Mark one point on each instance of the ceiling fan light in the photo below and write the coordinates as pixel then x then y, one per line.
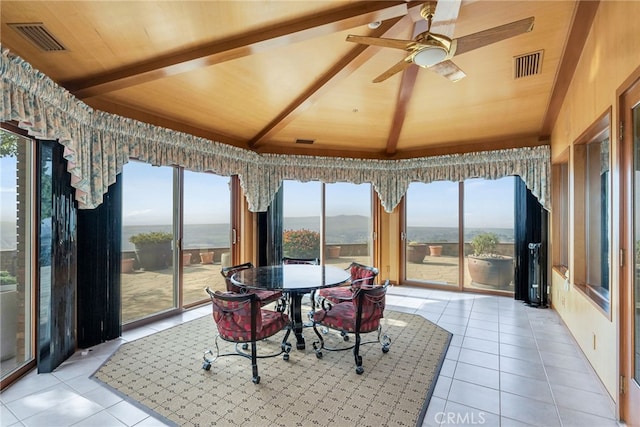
pixel 429 56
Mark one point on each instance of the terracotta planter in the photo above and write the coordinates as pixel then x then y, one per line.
pixel 186 258
pixel 494 272
pixel 416 253
pixel 333 251
pixel 127 266
pixel 206 257
pixel 435 250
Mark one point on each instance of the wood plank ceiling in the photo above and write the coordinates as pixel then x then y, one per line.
pixel 264 74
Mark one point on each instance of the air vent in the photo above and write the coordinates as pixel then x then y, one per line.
pixel 37 34
pixel 305 141
pixel 527 65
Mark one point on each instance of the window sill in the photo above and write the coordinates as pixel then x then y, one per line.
pixel 561 270
pixel 598 296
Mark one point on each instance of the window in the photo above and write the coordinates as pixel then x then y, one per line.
pixel 336 218
pixel 591 226
pixel 16 283
pixel 560 195
pixel 432 233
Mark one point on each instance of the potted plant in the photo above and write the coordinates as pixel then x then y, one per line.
pixel 435 250
pixel 333 251
pixel 301 243
pixel 416 252
pixel 486 267
pixel 153 249
pixel 206 257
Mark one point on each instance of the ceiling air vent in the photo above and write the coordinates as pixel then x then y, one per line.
pixel 305 141
pixel 527 65
pixel 37 34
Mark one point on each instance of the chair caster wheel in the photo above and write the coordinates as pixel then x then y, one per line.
pixel 256 380
pixel 245 346
pixel 385 349
pixel 285 357
pixel 319 354
pixel 346 337
pixel 206 366
pixel 359 370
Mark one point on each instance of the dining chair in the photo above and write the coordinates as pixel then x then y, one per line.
pixel 240 319
pixel 265 296
pixel 308 261
pixel 359 313
pixel 360 275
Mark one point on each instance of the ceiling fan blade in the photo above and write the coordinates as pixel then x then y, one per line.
pixel 493 35
pixel 379 41
pixel 448 70
pixel 400 66
pixel 445 16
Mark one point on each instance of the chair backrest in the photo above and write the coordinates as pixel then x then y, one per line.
pixel 370 303
pixel 362 275
pixel 227 272
pixel 237 316
pixel 309 261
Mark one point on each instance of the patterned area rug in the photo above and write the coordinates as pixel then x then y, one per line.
pixel 163 372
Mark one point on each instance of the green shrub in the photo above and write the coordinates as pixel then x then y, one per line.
pixel 485 244
pixel 7 279
pixel 152 237
pixel 301 243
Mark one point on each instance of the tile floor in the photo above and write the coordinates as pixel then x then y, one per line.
pixel 507 365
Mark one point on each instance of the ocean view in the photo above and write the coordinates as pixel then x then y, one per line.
pixel 339 230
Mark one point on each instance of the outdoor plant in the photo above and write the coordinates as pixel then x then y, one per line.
pixel 7 279
pixel 485 244
pixel 301 243
pixel 152 237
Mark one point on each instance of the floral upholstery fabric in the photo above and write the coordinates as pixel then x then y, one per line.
pixel 233 318
pixel 344 316
pixel 360 275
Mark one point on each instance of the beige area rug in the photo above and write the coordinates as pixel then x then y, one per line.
pixel 163 372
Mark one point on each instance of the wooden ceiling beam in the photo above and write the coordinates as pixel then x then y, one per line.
pixel 340 70
pixel 581 25
pixel 342 18
pixel 407 84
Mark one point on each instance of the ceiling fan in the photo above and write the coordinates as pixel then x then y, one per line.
pixel 433 50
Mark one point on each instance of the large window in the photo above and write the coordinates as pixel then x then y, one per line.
pixel 206 233
pixel 592 226
pixel 147 240
pixel 432 233
pixel 332 222
pixel 489 233
pixel 16 283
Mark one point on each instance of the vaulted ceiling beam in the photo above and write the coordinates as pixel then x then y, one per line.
pixel 343 68
pixel 350 16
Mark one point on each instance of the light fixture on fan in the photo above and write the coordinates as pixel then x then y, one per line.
pixel 429 56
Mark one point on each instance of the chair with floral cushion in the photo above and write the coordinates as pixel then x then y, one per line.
pixel 241 319
pixel 359 313
pixel 265 297
pixel 360 275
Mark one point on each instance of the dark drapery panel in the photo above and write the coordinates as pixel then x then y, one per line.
pixel 99 265
pixel 57 252
pixel 530 227
pixel 270 232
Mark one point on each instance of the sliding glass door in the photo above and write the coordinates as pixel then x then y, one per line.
pixel 148 239
pixel 206 234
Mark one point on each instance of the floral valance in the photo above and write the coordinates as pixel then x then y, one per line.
pixel 98 144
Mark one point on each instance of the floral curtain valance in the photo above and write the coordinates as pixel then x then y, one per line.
pixel 98 144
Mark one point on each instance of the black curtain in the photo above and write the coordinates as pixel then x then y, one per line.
pixel 530 228
pixel 57 254
pixel 270 232
pixel 99 268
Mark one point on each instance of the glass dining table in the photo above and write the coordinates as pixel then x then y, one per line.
pixel 295 280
